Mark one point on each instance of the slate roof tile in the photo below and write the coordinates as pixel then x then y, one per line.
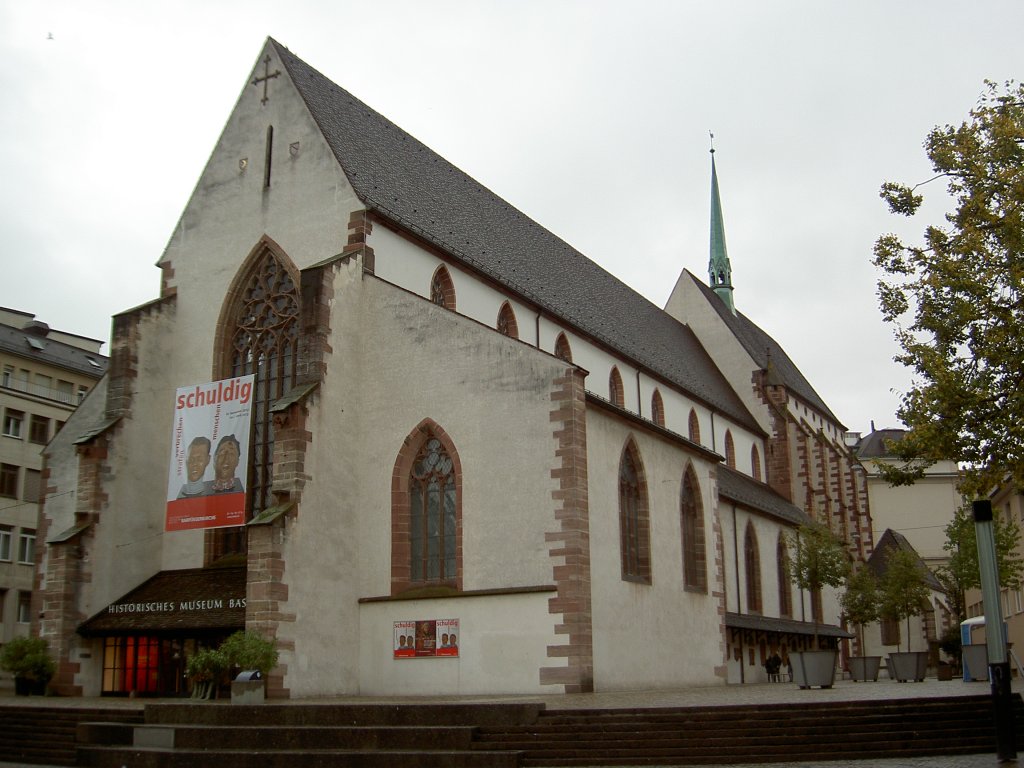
pixel 408 183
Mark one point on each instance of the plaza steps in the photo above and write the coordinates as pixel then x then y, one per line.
pixel 806 732
pixel 46 735
pixel 213 735
pixel 462 735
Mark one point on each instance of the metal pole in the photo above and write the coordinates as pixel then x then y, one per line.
pixel 998 665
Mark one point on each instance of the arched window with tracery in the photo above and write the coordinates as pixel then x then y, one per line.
pixel 442 289
pixel 752 566
pixel 616 392
pixel 634 517
pixel 562 349
pixel 694 427
pixel 695 574
pixel 657 408
pixel 507 321
pixel 426 514
pixel 755 462
pixel 785 590
pixel 260 335
pixel 730 450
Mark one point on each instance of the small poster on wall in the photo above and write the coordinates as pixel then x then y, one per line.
pixel 426 638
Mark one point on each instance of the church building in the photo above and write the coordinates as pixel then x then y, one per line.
pixel 476 462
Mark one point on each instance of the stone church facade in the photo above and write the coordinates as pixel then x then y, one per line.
pixel 457 418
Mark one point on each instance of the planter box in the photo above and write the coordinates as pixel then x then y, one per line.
pixel 909 665
pixel 865 668
pixel 812 668
pixel 248 691
pixel 24 686
pixel 975 661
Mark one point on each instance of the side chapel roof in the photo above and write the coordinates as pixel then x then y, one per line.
pixel 760 346
pixel 405 181
pixel 753 494
pixel 893 541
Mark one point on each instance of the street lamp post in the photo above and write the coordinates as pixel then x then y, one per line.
pixel 995 640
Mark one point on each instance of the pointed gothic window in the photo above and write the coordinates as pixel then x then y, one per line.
pixel 262 326
pixel 507 321
pixel 695 575
pixel 432 514
pixel 694 427
pixel 634 520
pixel 442 290
pixel 657 408
pixel 730 451
pixel 752 565
pixel 782 564
pixel 426 513
pixel 616 392
pixel 755 462
pixel 562 350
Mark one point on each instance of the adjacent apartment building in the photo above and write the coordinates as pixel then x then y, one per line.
pixel 44 374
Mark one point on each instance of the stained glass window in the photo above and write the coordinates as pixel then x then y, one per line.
pixel 432 513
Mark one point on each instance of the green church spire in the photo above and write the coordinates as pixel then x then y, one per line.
pixel 719 269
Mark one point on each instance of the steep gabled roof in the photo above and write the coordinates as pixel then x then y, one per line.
pixel 408 183
pixel 760 346
pixel 893 541
pixel 874 445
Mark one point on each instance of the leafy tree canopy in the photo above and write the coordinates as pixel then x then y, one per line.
pixel 861 602
pixel 903 587
pixel 817 558
pixel 962 573
pixel 956 301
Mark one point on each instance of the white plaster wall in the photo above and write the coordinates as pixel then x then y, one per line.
pixel 398 359
pixel 129 542
pixel 502 646
pixel 400 261
pixel 689 306
pixel 305 210
pixel 657 635
pixel 920 512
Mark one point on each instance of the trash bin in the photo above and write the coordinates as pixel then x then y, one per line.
pixel 248 675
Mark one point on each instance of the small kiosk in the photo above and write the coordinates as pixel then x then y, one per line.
pixel 975 655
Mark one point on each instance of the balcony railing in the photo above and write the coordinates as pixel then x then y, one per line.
pixel 47 393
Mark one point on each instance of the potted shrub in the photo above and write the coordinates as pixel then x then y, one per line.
pixel 252 655
pixel 28 659
pixel 817 559
pixel 904 594
pixel 206 670
pixel 861 603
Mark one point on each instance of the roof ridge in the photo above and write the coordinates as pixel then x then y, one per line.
pixel 404 180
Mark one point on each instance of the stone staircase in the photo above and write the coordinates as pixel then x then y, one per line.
pixel 213 735
pixel 811 732
pixel 46 735
pixel 464 735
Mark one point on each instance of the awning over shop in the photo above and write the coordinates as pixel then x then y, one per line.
pixel 782 626
pixel 194 600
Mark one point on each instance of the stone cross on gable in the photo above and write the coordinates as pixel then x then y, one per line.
pixel 267 77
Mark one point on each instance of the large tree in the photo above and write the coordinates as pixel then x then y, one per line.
pixel 956 301
pixel 962 573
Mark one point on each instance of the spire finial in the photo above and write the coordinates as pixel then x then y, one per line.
pixel 712 142
pixel 719 269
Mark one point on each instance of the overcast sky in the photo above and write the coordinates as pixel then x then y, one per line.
pixel 591 117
